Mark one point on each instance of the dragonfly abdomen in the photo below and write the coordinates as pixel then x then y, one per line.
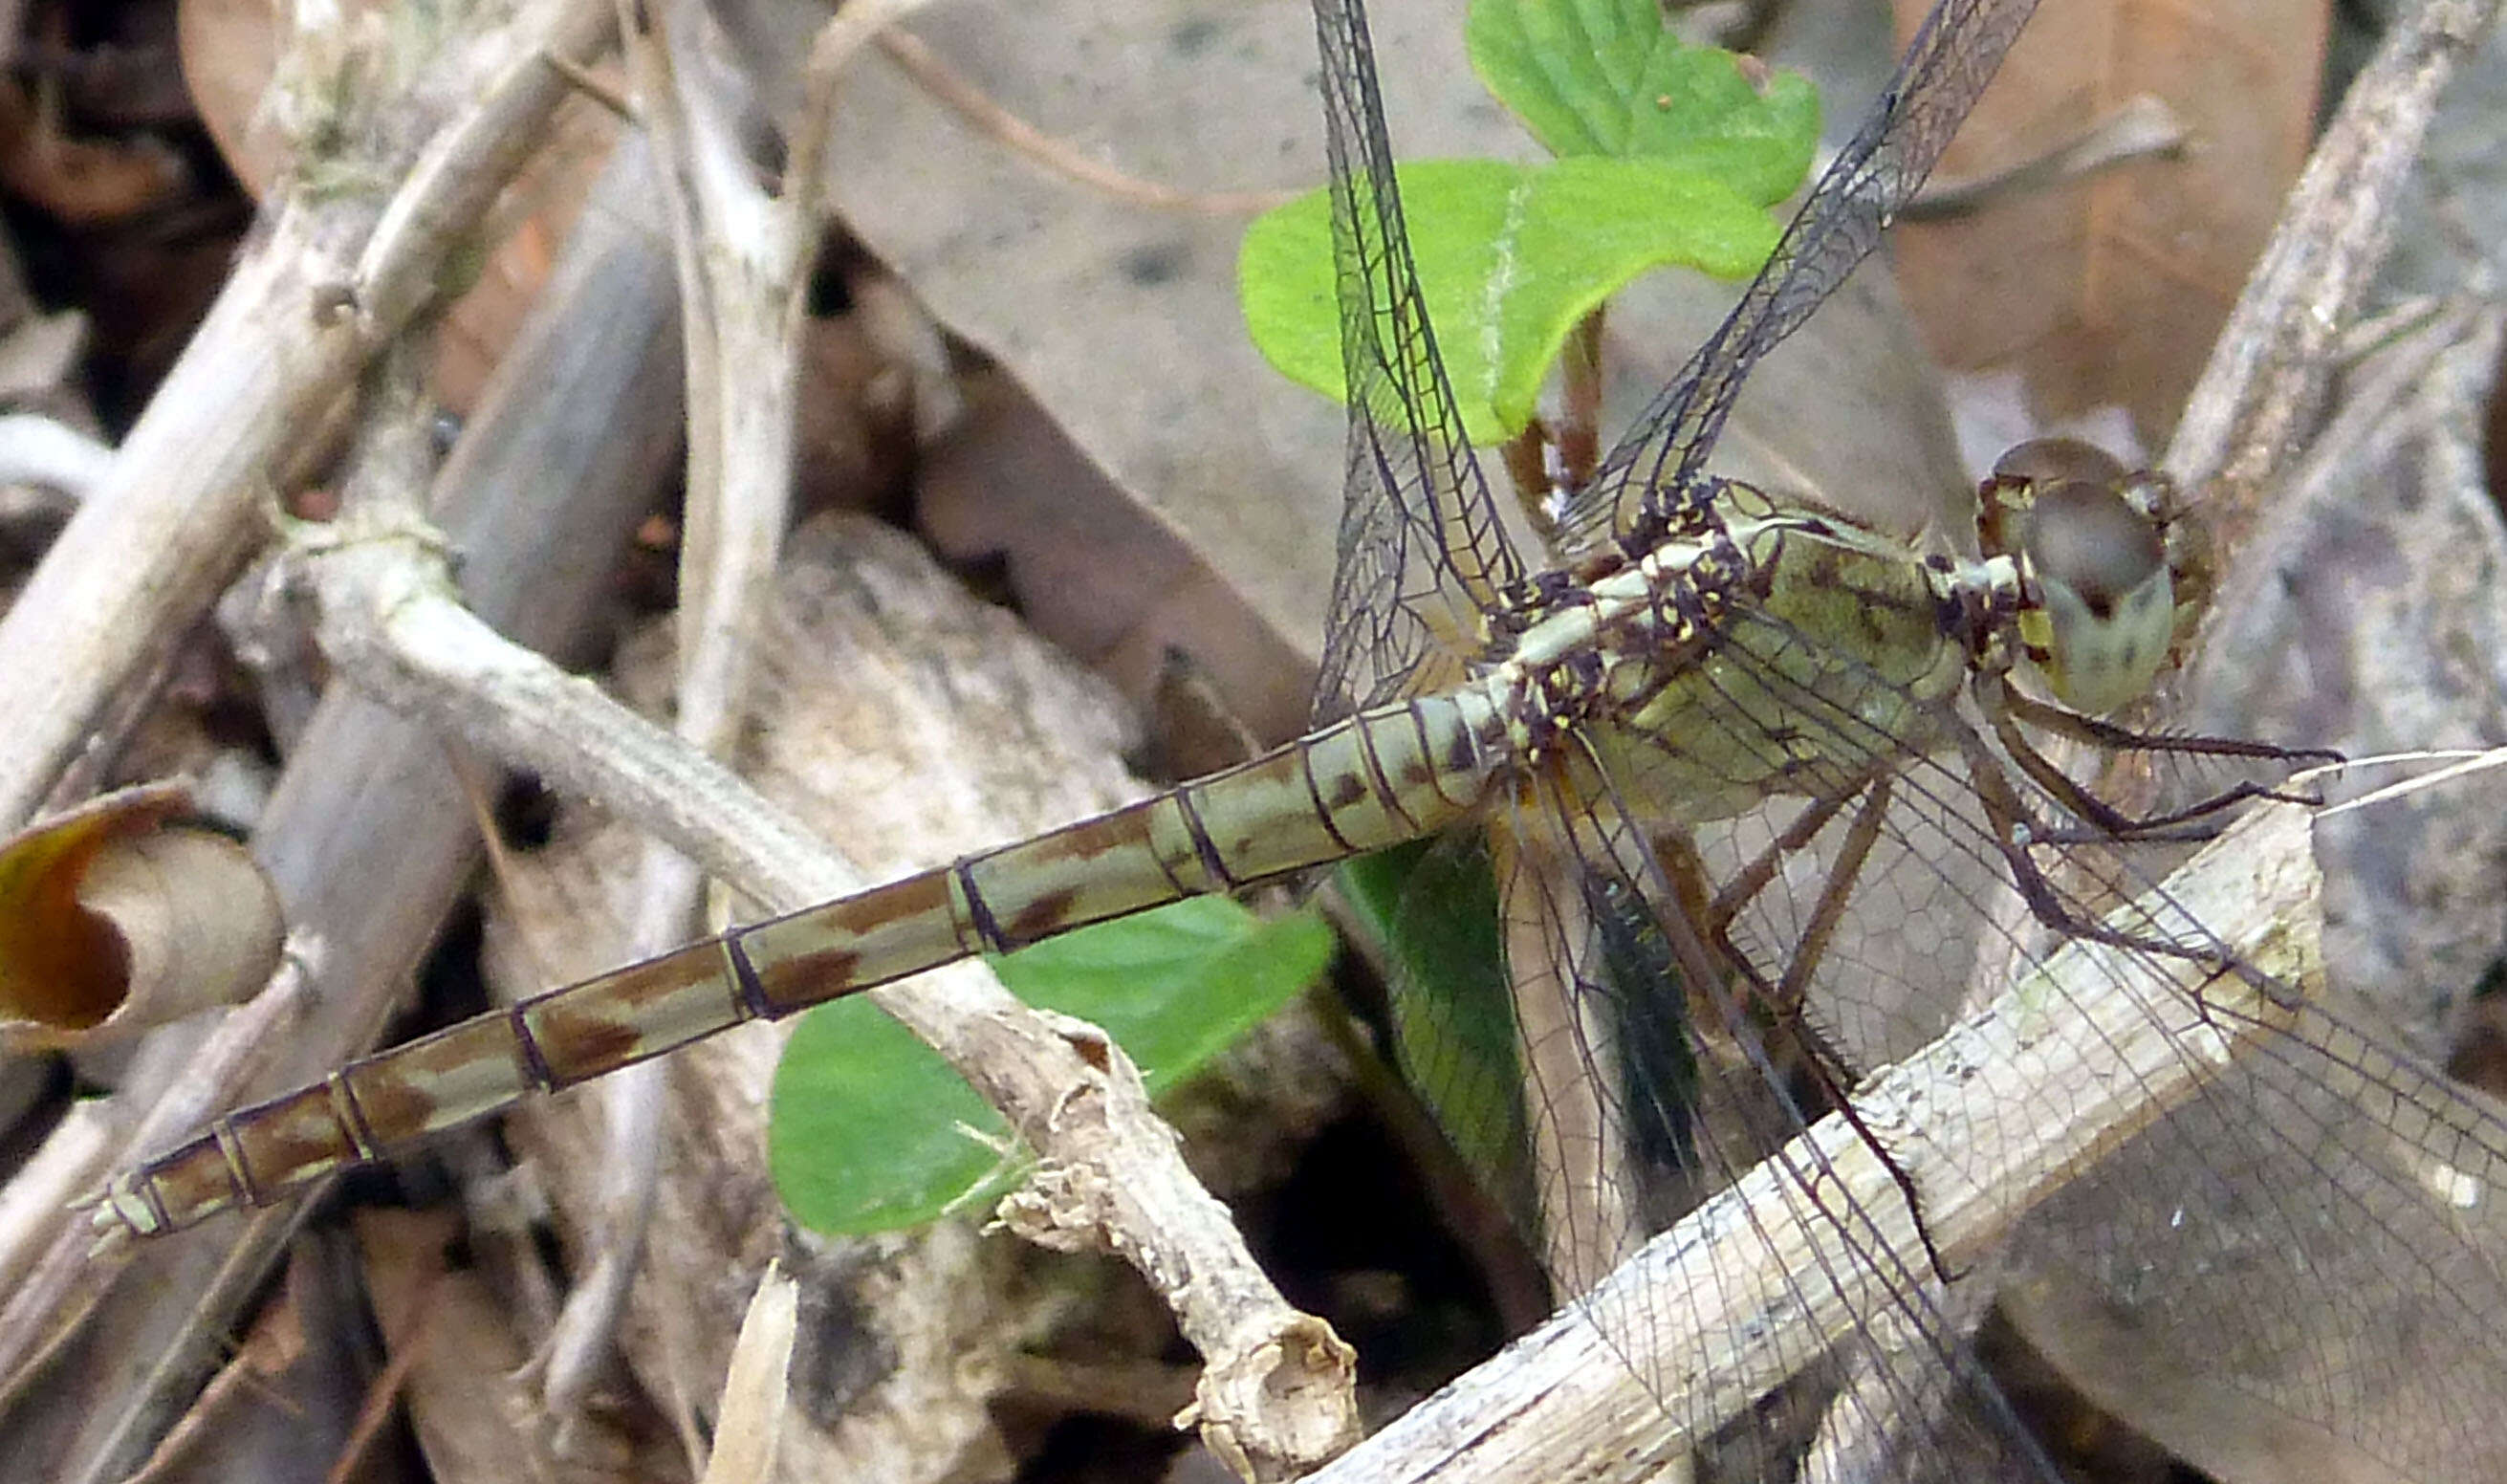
pixel 1373 780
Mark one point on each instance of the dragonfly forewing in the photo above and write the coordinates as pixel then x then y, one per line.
pixel 1422 553
pixel 1648 483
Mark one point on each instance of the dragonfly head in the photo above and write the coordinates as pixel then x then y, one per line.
pixel 2098 600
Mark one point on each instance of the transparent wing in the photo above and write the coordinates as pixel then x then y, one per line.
pixel 1422 553
pixel 1715 923
pixel 2307 1248
pixel 1656 1073
pixel 2311 1238
pixel 1648 485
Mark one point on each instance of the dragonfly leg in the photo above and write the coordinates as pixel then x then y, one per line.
pixel 1834 1078
pixel 2004 708
pixel 1752 879
pixel 2015 833
pixel 1716 966
pixel 1779 1001
pixel 1826 1066
pixel 1829 910
pixel 1781 1009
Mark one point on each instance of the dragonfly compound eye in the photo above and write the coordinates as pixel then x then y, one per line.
pixel 2107 606
pixel 2046 462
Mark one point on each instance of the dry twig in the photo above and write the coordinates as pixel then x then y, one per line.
pixel 146 555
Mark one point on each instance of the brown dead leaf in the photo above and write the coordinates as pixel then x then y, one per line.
pixel 80 182
pixel 2109 290
pixel 1095 571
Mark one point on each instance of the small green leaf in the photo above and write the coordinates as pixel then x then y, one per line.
pixel 870 1130
pixel 1432 906
pixel 1607 76
pixel 1510 257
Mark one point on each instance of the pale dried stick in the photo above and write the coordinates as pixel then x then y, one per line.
pixel 366 837
pixel 338 269
pixel 1275 1392
pixel 743 263
pixel 2264 386
pixel 755 1393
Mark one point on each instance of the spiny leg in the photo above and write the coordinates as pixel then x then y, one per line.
pixel 1836 1077
pixel 1752 879
pixel 2005 707
pixel 1827 1065
pixel 2013 833
pixel 1779 1000
pixel 1782 1007
pixel 1860 836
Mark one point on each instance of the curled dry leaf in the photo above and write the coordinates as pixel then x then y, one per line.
pixel 117 916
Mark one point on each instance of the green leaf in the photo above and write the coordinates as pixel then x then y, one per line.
pixel 1433 907
pixel 1511 257
pixel 870 1130
pixel 1607 76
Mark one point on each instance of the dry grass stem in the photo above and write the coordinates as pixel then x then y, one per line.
pixel 144 557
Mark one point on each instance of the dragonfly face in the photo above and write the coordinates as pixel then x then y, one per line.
pixel 2098 603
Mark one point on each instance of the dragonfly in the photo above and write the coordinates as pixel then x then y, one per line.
pixel 1685 734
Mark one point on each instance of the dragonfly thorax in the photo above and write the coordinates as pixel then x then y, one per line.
pixel 1775 645
pixel 1591 643
pixel 1781 648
